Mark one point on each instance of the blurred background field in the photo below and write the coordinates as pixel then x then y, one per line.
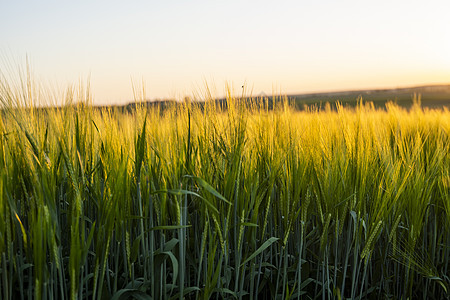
pixel 434 96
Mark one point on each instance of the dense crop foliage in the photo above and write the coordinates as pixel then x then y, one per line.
pixel 204 203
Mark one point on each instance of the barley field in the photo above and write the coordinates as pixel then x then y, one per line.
pixel 199 201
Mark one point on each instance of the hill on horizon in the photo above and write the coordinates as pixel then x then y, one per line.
pixel 431 96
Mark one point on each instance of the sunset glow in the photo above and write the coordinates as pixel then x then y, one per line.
pixel 174 47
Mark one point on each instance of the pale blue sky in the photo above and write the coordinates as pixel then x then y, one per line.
pixel 174 46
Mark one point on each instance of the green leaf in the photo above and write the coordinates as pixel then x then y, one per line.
pixel 170 244
pixel 226 291
pixel 440 281
pixel 185 292
pixel 179 192
pixel 130 294
pixel 209 188
pixel 261 249
pixel 248 224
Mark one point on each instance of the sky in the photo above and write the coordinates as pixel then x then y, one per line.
pixel 178 48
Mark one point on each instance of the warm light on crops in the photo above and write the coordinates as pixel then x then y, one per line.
pixel 202 201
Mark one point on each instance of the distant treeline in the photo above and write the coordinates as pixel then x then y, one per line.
pixel 427 96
